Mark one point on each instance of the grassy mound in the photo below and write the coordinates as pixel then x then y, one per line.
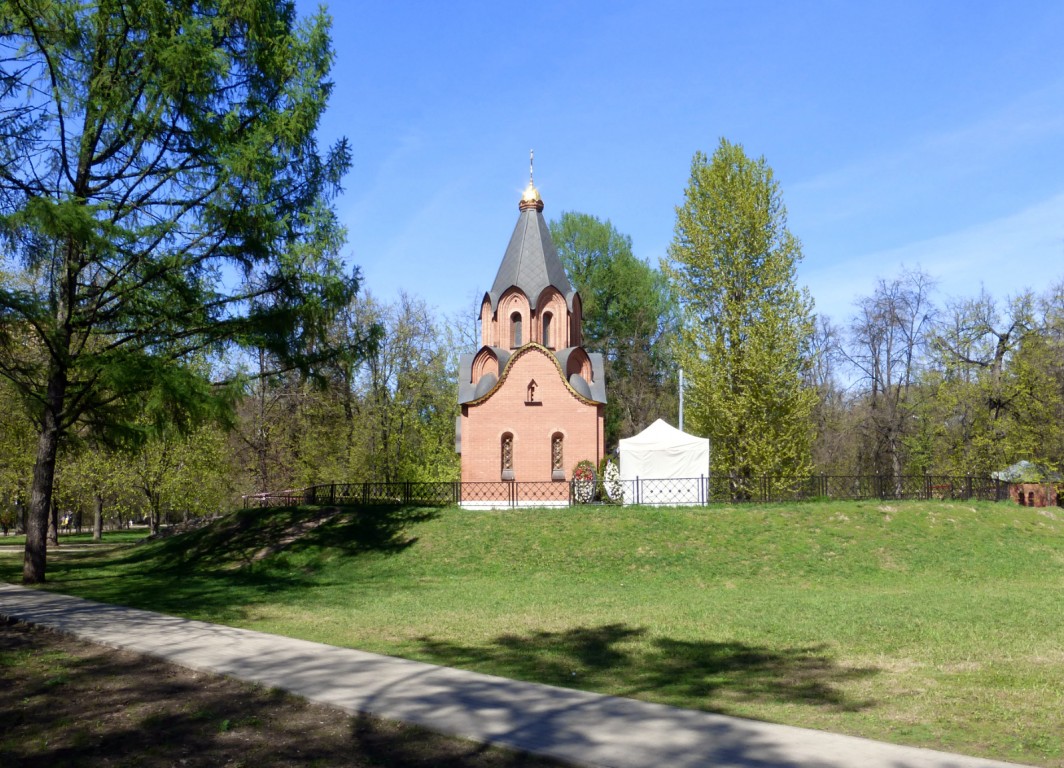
pixel 929 623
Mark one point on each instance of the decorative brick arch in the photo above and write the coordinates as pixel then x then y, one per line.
pixel 579 363
pixel 552 316
pixel 576 331
pixel 514 304
pixel 488 325
pixel 485 362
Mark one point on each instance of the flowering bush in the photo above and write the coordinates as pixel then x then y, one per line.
pixel 611 482
pixel 584 482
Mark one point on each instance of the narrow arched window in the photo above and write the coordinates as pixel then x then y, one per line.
pixel 546 330
pixel 507 456
pixel 515 330
pixel 557 459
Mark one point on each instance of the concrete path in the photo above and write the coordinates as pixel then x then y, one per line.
pixel 582 728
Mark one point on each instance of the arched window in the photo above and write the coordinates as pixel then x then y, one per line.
pixel 507 456
pixel 557 459
pixel 546 330
pixel 515 330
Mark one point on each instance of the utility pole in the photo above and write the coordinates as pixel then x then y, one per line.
pixel 681 399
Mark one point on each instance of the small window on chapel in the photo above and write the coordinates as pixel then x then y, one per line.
pixel 515 330
pixel 507 456
pixel 546 331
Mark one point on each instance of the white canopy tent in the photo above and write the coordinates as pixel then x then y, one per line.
pixel 670 465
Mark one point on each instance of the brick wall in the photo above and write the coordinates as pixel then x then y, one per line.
pixel 1034 494
pixel 556 410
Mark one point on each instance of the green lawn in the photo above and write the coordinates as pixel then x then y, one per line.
pixel 938 624
pixel 82 539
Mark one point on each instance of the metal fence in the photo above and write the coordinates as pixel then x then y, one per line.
pixel 694 491
pixel 288 498
pixel 836 487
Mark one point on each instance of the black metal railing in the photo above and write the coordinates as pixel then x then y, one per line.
pixel 699 491
pixel 273 499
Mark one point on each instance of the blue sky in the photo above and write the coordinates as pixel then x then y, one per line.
pixel 916 134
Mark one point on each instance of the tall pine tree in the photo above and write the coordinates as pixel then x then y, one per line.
pixel 746 324
pixel 161 194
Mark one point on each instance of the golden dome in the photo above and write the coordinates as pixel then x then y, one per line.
pixel 531 194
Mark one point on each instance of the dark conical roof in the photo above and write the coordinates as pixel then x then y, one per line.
pixel 531 262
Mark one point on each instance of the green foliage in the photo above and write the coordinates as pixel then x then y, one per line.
pixel 407 403
pixel 182 475
pixel 161 193
pixel 94 472
pixel 971 386
pixel 889 336
pixel 16 448
pixel 746 325
pixel 386 414
pixel 990 392
pixel 627 316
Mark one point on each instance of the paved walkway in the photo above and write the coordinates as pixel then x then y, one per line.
pixel 582 728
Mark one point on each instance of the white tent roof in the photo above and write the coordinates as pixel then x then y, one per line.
pixel 662 451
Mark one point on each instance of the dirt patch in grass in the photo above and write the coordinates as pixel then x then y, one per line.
pixel 67 702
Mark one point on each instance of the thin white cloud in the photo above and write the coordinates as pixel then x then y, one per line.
pixel 1007 255
pixel 935 162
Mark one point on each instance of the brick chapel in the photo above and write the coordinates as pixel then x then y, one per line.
pixel 532 399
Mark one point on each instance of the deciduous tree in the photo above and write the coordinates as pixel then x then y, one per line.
pixel 888 338
pixel 627 316
pixel 406 406
pixel 746 324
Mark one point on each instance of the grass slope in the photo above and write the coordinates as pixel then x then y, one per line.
pixel 936 624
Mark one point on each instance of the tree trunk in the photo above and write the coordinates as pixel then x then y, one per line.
pixel 262 447
pixel 349 419
pixel 35 560
pixel 53 523
pixel 34 563
pixel 97 518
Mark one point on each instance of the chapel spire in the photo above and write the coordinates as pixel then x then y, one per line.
pixel 530 198
pixel 531 262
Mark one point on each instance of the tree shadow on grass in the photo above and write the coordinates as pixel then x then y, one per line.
pixel 625 660
pixel 253 535
pixel 246 558
pixel 70 703
pixel 356 531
